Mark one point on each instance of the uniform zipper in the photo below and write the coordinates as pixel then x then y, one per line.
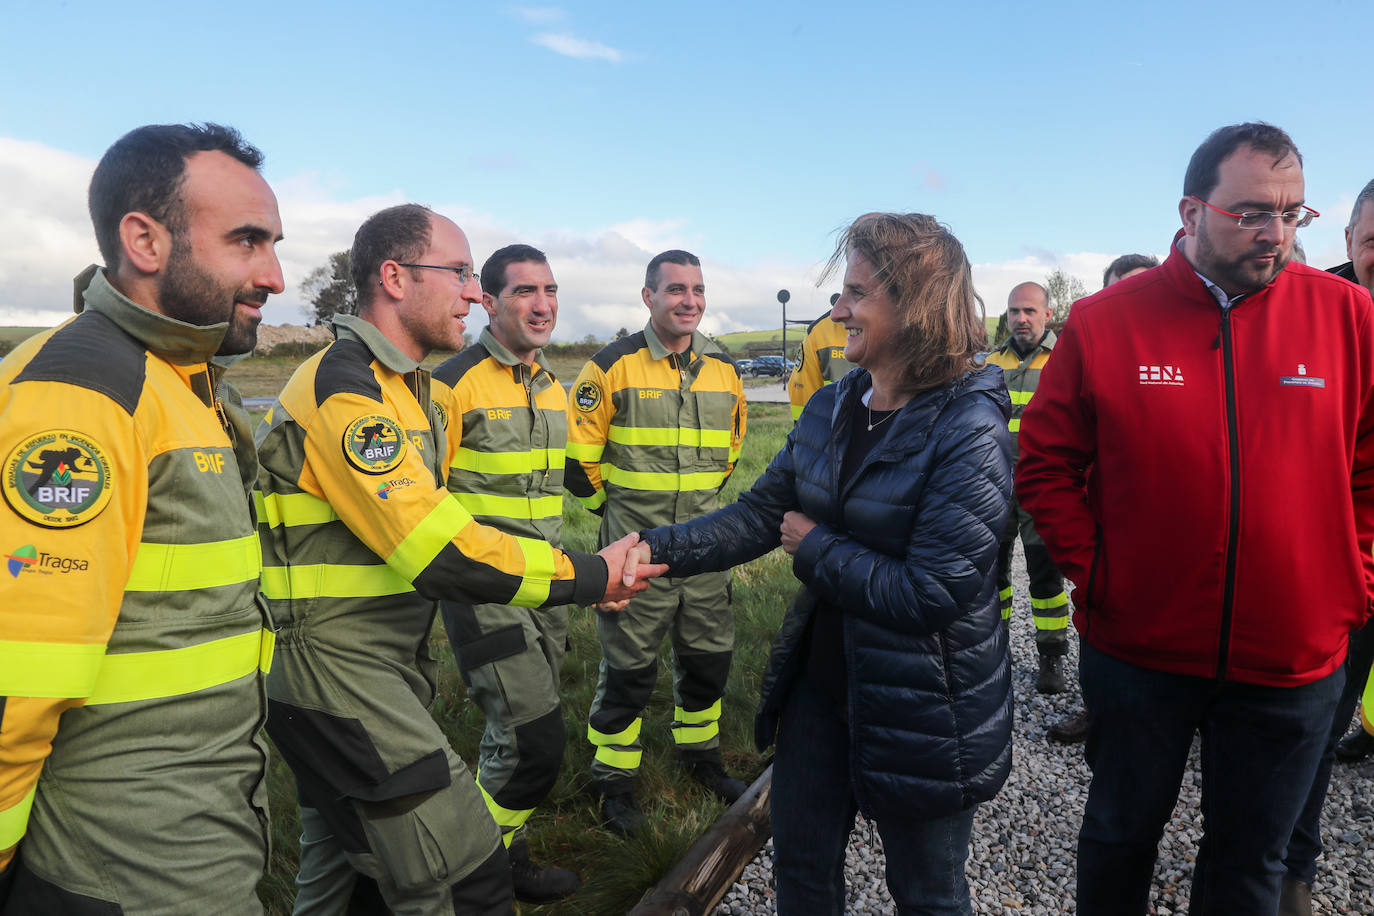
pixel 1228 595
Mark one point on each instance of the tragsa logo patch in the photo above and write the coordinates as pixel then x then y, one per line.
pixel 57 479
pixel 21 559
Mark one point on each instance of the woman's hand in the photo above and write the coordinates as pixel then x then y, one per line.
pixel 794 527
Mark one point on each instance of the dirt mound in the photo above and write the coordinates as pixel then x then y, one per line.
pixel 271 335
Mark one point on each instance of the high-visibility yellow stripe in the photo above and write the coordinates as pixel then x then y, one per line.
pixel 629 736
pixel 419 548
pixel 697 717
pixel 589 452
pixel 621 760
pixel 538 459
pixel 14 820
pixel 539 569
pixel 511 506
pixel 660 482
pixel 1367 698
pixel 508 819
pixel 1006 612
pixel 1021 397
pixel 184 567
pixel 1014 424
pixel 1051 623
pixel 1005 594
pixel 695 734
pixel 1048 604
pixel 796 412
pixel 290 509
pixel 48 669
pixel 669 435
pixel 595 501
pixel 134 676
pixel 327 580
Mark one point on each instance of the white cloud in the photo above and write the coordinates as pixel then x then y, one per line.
pixel 580 48
pixel 540 15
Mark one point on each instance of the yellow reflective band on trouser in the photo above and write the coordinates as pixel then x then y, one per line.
pixel 184 567
pixel 518 507
pixel 669 435
pixel 1047 614
pixel 1005 594
pixel 1021 397
pixel 14 821
pixel 435 531
pixel 647 480
pixel 508 820
pixel 538 575
pixel 537 459
pixel 697 726
pixel 326 580
pixel 134 676
pixel 1367 701
pixel 290 509
pixel 48 669
pixel 607 754
pixel 589 452
pixel 1014 424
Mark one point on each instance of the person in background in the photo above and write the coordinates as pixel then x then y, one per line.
pixel 821 362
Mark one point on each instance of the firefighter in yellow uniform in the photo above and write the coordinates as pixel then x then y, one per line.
pixel 507 428
pixel 1022 357
pixel 361 538
pixel 132 638
pixel 655 426
pixel 822 361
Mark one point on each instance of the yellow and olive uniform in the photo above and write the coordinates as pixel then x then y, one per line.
pixel 1049 602
pixel 652 436
pixel 132 637
pixel 360 539
pixel 507 430
pixel 822 362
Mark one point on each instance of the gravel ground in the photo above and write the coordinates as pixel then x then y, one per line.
pixel 1024 840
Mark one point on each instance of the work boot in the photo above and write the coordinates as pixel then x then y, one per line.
pixel 1072 730
pixel 1295 897
pixel 712 775
pixel 1051 678
pixel 1357 745
pixel 536 883
pixel 619 810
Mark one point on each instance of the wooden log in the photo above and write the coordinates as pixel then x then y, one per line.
pixel 700 879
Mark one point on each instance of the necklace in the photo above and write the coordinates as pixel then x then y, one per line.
pixel 887 415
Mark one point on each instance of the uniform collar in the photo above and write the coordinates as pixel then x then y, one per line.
pixel 1046 343
pixel 175 341
pixel 502 354
pixel 657 350
pixel 351 327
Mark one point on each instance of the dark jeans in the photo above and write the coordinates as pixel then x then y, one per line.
pixel 813 812
pixel 1260 748
pixel 1306 843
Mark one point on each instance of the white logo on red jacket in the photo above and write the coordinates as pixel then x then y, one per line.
pixel 1302 379
pixel 1162 375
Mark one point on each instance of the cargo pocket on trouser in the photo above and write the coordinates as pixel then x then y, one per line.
pixel 428 841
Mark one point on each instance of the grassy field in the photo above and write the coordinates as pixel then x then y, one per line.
pixel 566 830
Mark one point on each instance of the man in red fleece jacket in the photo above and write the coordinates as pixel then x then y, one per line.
pixel 1199 460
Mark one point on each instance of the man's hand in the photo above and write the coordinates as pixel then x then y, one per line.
pixel 628 571
pixel 794 527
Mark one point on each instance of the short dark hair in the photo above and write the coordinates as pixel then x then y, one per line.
pixel 494 271
pixel 672 256
pixel 143 172
pixel 1204 169
pixel 1127 263
pixel 1365 196
pixel 399 233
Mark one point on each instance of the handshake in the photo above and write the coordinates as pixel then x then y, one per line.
pixel 628 571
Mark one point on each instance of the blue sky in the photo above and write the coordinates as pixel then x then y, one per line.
pixel 1049 135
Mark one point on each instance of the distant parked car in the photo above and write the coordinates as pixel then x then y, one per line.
pixel 772 365
pixel 745 367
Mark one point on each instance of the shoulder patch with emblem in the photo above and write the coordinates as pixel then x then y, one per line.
pixel 441 412
pixel 374 444
pixel 587 396
pixel 57 479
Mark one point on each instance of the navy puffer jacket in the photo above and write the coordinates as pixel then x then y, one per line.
pixel 908 551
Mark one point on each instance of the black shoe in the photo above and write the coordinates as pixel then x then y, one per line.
pixel 1051 678
pixel 712 775
pixel 620 812
pixel 1357 745
pixel 1295 897
pixel 535 883
pixel 1073 730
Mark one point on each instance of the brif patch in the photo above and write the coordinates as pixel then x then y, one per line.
pixel 57 479
pixel 374 444
pixel 587 396
pixel 441 413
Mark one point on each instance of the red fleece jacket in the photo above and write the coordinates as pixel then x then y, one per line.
pixel 1207 480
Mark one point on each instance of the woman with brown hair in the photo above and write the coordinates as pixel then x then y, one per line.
pixel 889 684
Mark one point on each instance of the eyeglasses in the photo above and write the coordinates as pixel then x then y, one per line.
pixel 1258 219
pixel 464 273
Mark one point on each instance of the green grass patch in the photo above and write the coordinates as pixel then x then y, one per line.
pixel 565 830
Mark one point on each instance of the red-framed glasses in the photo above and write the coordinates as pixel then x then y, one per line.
pixel 1258 219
